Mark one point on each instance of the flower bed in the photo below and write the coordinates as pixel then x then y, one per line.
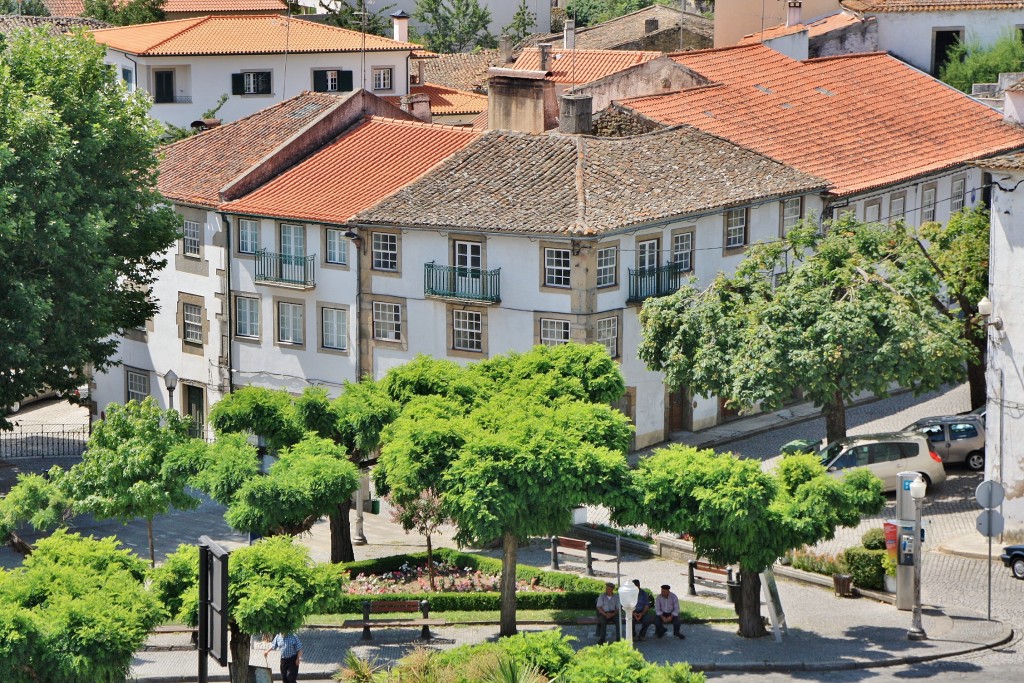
pixel 448 578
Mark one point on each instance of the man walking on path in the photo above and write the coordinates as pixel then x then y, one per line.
pixel 666 606
pixel 643 613
pixel 607 611
pixel 291 653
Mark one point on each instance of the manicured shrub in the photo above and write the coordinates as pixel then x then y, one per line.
pixel 549 651
pixel 866 567
pixel 818 563
pixel 613 663
pixel 873 539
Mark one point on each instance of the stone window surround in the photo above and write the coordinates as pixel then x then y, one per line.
pixel 237 252
pixel 320 306
pixel 191 263
pixel 959 177
pixel 617 316
pixel 877 203
pixel 480 239
pixel 324 263
pixel 640 238
pixel 258 339
pixel 450 331
pixel 692 229
pixel 277 322
pixel 782 212
pixel 563 246
pixel 902 194
pixel 617 280
pixel 738 249
pixel 397 232
pixel 934 187
pixel 190 347
pixel 402 343
pixel 373 78
pixel 128 370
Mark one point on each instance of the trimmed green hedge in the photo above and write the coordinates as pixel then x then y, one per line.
pixel 866 567
pixel 580 592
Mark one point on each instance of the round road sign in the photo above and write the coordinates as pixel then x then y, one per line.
pixel 989 494
pixel 990 523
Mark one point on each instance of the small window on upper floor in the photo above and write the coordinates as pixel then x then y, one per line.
pixel 251 83
pixel 191 239
pixel 382 78
pixel 956 197
pixel 332 80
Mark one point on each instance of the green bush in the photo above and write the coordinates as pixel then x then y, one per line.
pixel 613 663
pixel 970 64
pixel 549 651
pixel 818 563
pixel 866 567
pixel 873 539
pixel 468 602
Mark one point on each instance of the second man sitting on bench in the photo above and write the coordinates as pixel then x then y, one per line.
pixel 666 607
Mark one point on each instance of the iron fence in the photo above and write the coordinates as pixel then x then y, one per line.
pixel 43 441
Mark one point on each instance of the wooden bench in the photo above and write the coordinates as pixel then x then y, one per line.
pixel 577 547
pixel 385 606
pixel 707 574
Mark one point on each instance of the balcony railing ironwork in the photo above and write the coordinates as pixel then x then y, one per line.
pixel 283 269
pixel 467 284
pixel 661 281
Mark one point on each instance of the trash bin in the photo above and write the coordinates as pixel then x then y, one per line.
pixel 843 584
pixel 375 506
pixel 734 591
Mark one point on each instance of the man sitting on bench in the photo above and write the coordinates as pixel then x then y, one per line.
pixel 666 606
pixel 643 613
pixel 607 611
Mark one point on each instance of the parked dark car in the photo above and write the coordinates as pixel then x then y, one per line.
pixel 1013 557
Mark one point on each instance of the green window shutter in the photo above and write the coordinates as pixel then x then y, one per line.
pixel 346 81
pixel 237 84
pixel 320 81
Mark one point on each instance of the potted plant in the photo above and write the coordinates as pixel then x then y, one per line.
pixel 889 564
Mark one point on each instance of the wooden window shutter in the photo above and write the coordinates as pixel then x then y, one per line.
pixel 345 81
pixel 237 84
pixel 319 81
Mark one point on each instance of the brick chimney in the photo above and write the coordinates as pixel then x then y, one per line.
pixel 575 114
pixel 650 25
pixel 417 104
pixel 570 34
pixel 545 56
pixel 794 14
pixel 400 20
pixel 505 48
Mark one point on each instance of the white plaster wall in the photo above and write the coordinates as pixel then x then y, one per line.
pixel 206 78
pixel 795 45
pixel 908 35
pixel 913 192
pixel 1005 374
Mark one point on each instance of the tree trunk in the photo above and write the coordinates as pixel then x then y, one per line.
pixel 152 553
pixel 510 546
pixel 341 534
pixel 19 545
pixel 751 624
pixel 976 371
pixel 835 417
pixel 239 648
pixel 430 563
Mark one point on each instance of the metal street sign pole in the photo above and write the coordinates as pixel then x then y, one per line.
pixel 204 611
pixel 989 495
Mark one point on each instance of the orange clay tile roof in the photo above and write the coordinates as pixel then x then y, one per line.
pixel 246 34
pixel 582 66
pixel 365 164
pixel 929 5
pixel 194 170
pixel 814 29
pixel 73 8
pixel 446 101
pixel 480 121
pixel 859 121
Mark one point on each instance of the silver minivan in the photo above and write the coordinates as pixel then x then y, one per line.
pixel 885 455
pixel 956 438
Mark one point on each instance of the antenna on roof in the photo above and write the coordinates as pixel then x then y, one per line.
pixel 287 37
pixel 573 51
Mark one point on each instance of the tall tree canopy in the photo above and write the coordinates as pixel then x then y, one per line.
pixel 125 12
pixel 739 514
pixel 82 228
pixel 833 315
pixel 454 25
pixel 355 15
pixel 511 444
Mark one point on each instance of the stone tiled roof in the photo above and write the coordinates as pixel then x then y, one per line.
pixel 1006 162
pixel 554 184
pixel 71 8
pixel 446 101
pixel 365 164
pixel 461 71
pixel 583 66
pixel 928 5
pixel 194 170
pixel 628 28
pixel 56 25
pixel 859 121
pixel 245 34
pixel 818 27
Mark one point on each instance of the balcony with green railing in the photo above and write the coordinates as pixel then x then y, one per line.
pixel 645 283
pixel 462 284
pixel 285 270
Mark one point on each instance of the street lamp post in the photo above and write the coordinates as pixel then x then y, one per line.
pixel 628 595
pixel 171 382
pixel 917 491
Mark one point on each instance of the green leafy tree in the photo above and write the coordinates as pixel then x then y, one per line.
pixel 272 586
pixel 454 25
pixel 125 472
pixel 356 16
pixel 32 8
pixel 82 228
pixel 76 610
pixel 514 458
pixel 970 63
pixel 522 22
pixel 739 514
pixel 833 315
pixel 37 501
pixel 125 12
pixel 589 12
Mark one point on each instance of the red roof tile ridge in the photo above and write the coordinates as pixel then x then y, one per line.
pixel 187 20
pixel 376 118
pixel 199 22
pixel 562 50
pixel 709 50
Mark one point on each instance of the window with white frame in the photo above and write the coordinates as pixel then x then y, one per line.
pixel 335 329
pixel 387 321
pixel 385 251
pixel 608 334
pixel 928 204
pixel 792 212
pixel 138 385
pixel 468 330
pixel 735 228
pixel 191 238
pixel 554 332
pixel 256 83
pixel 192 316
pixel 607 266
pixel 289 323
pixel 956 197
pixel 337 247
pixel 248 236
pixel 897 206
pixel 247 317
pixel 648 254
pixel 872 211
pixel 331 80
pixel 382 78
pixel 557 268
pixel 682 251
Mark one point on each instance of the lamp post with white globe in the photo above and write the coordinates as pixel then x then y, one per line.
pixel 918 488
pixel 628 595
